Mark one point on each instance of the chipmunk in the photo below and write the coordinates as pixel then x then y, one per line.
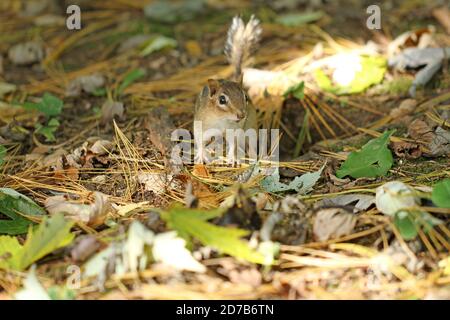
pixel 224 104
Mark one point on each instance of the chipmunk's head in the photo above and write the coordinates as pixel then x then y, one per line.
pixel 228 98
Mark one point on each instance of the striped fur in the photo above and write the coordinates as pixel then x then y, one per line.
pixel 241 42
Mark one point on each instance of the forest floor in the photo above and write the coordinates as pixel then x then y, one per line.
pixel 94 149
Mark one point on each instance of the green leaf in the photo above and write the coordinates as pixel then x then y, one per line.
pixel 2 154
pixel 158 43
pixel 298 19
pixel 371 71
pixel 11 204
pixel 191 223
pixel 297 91
pixel 405 224
pixel 53 233
pixel 373 160
pixel 441 194
pixel 302 184
pixel 10 252
pixel 130 77
pixel 409 222
pixel 49 105
pixel 48 130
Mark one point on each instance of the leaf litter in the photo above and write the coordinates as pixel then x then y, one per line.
pixel 98 154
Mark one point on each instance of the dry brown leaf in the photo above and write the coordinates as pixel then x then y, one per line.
pixel 406 107
pixel 333 223
pixel 154 181
pixel 200 170
pixel 111 109
pixel 84 247
pixel 88 211
pixel 420 130
pixel 101 147
pixel 407 150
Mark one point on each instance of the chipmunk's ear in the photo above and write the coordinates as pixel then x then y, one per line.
pixel 213 86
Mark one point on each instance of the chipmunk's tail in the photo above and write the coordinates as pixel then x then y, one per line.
pixel 241 42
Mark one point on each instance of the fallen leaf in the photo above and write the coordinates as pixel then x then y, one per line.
pixel 374 159
pixel 406 107
pixel 133 42
pixel 154 182
pixel 110 109
pixel 352 73
pixel 93 214
pixel 192 223
pixel 333 223
pixel 394 196
pixel 88 84
pixel 26 53
pixel 420 38
pixel 289 222
pixel 420 130
pixel 302 184
pixel 101 147
pixel 158 43
pixel 32 289
pixel 171 250
pixel 441 194
pixel 440 144
pixel 134 256
pixel 84 247
pixel 430 58
pixel 13 205
pixel 200 170
pixel 408 150
pixel 362 201
pixel 51 234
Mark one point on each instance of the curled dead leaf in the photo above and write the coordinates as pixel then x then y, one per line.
pixel 89 211
pixel 101 147
pixel 407 150
pixel 111 109
pixel 333 223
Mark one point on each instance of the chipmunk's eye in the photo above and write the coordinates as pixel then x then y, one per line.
pixel 222 99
